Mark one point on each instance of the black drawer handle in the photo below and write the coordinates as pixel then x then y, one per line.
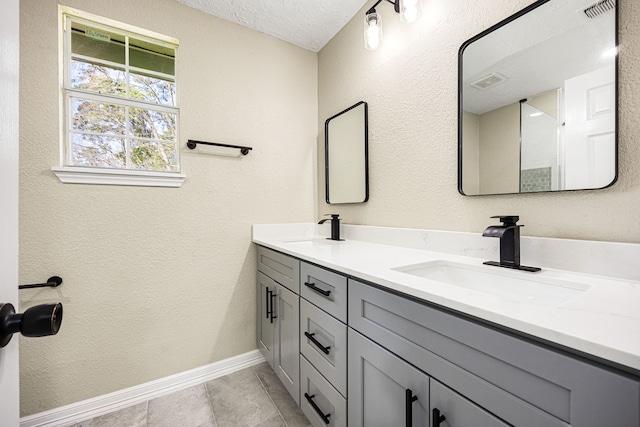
pixel 409 398
pixel 437 418
pixel 324 349
pixel 317 289
pixel 267 300
pixel 324 417
pixel 273 295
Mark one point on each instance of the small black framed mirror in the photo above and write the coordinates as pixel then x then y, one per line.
pixel 538 101
pixel 346 148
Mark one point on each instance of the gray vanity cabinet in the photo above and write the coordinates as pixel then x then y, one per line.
pixel 279 316
pixel 522 383
pixel 409 360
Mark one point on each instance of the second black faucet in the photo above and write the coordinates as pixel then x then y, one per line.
pixel 335 226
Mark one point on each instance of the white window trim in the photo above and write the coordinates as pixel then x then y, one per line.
pixel 105 176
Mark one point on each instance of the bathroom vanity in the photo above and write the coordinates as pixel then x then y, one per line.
pixel 412 333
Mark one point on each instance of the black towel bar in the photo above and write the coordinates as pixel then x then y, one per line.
pixel 53 282
pixel 244 150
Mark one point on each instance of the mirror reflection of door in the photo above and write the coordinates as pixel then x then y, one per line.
pixel 590 129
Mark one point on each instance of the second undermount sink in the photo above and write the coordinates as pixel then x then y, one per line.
pixel 511 285
pixel 310 243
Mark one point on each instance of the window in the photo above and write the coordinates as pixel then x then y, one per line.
pixel 119 100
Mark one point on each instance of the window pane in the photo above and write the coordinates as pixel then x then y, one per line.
pixel 150 56
pixel 151 155
pixel 152 124
pixel 99 117
pixel 98 151
pixel 154 90
pixel 98 79
pixel 99 44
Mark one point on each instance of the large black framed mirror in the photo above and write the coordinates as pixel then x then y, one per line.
pixel 538 101
pixel 346 155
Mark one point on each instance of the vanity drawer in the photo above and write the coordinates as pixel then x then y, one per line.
pixel 281 268
pixel 318 398
pixel 328 354
pixel 521 382
pixel 325 289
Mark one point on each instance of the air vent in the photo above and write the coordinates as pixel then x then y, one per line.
pixel 488 81
pixel 600 8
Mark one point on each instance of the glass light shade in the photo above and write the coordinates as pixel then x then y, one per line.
pixel 372 31
pixel 610 52
pixel 410 10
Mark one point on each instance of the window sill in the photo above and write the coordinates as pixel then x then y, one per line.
pixel 79 175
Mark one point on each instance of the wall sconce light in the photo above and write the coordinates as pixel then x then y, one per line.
pixel 409 10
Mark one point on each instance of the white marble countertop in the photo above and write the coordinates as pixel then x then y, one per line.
pixel 604 320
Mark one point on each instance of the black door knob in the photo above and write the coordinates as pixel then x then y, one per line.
pixel 38 321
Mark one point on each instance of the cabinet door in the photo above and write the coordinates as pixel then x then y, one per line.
pixel 383 389
pixel 266 321
pixel 456 411
pixel 287 345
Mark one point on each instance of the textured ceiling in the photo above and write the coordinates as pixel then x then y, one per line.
pixel 309 24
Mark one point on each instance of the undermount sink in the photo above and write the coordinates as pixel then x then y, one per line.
pixel 508 284
pixel 309 243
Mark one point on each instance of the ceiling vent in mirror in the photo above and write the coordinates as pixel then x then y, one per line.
pixel 600 8
pixel 488 81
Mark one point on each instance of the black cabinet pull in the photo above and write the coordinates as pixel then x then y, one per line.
pixel 267 299
pixel 273 295
pixel 317 289
pixel 322 415
pixel 324 349
pixel 437 418
pixel 409 398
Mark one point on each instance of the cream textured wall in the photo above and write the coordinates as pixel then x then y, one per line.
pixel 410 84
pixel 158 281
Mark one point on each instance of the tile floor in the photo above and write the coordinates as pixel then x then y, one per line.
pixel 253 397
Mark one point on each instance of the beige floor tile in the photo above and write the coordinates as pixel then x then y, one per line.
pixel 288 408
pixel 133 416
pixel 239 400
pixel 185 408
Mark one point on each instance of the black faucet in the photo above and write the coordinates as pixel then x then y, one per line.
pixel 509 235
pixel 335 226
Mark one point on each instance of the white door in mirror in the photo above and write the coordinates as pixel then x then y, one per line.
pixel 590 132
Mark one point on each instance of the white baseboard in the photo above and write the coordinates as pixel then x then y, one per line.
pixel 120 399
